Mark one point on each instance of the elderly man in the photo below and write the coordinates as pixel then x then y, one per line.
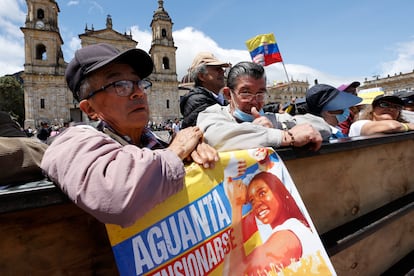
pixel 120 170
pixel 208 75
pixel 243 124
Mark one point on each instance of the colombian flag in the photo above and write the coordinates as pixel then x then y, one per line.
pixel 263 49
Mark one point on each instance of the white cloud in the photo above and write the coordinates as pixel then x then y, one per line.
pixel 143 37
pixel 74 44
pixel 190 41
pixel 73 3
pixel 403 63
pixel 11 30
pixel 11 10
pixel 12 17
pixel 95 7
pixel 299 72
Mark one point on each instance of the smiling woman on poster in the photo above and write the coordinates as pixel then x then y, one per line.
pixel 290 238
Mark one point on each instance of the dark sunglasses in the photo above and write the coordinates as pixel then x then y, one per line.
pixel 389 105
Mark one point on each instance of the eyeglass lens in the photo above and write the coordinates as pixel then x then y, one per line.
pixel 126 87
pixel 250 96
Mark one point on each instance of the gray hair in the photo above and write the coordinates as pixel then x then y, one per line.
pixel 84 88
pixel 244 68
pixel 201 69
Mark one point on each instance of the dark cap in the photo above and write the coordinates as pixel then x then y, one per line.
pixel 323 97
pixel 389 98
pixel 90 58
pixel 406 96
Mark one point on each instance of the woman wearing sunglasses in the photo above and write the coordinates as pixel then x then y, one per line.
pixel 383 116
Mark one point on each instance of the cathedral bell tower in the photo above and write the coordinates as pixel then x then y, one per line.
pixel 164 96
pixel 45 93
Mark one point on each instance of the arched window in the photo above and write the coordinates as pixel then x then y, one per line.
pixel 164 33
pixel 168 104
pixel 41 52
pixel 165 63
pixel 40 14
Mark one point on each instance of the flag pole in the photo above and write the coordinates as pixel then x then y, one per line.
pixel 287 77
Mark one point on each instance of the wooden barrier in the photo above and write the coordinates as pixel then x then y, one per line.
pixel 54 240
pixel 341 186
pixel 361 201
pixel 358 192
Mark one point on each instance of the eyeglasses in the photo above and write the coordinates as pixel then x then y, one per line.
pixel 247 96
pixel 389 105
pixel 124 88
pixel 217 67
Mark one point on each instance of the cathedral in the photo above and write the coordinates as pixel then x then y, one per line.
pixel 46 95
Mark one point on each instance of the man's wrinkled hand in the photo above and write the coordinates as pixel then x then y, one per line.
pixel 188 144
pixel 259 119
pixel 205 155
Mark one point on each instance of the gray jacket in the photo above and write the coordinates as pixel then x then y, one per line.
pixel 223 132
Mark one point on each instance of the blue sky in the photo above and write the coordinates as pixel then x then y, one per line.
pixel 333 41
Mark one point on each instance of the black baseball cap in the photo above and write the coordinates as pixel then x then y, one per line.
pixel 387 98
pixel 90 58
pixel 323 97
pixel 406 96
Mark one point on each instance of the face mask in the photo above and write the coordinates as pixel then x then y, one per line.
pixel 342 117
pixel 245 117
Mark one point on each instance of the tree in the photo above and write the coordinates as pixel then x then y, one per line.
pixel 12 97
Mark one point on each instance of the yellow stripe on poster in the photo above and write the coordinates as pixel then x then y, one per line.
pixel 193 190
pixel 254 241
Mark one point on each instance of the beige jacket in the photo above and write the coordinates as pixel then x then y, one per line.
pixel 20 159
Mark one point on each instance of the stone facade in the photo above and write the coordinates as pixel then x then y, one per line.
pixel 45 93
pixel 391 84
pixel 283 92
pixel 47 97
pixel 108 35
pixel 164 97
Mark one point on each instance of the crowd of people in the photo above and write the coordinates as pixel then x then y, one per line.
pixel 119 170
pixel 219 114
pixel 243 120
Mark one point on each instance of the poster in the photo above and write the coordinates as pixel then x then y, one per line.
pixel 245 217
